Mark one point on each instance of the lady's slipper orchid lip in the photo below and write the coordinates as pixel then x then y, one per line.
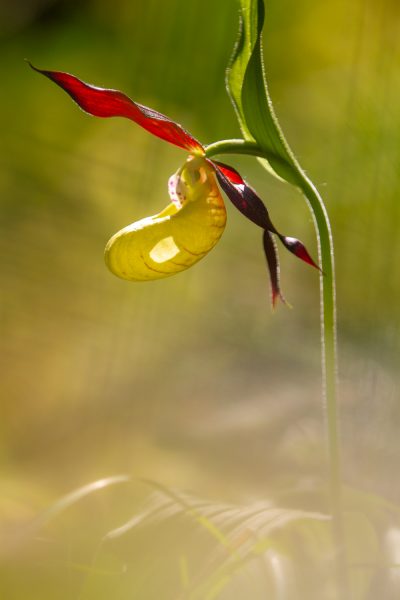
pixel 102 102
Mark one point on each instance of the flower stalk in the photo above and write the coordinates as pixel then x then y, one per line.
pixel 328 342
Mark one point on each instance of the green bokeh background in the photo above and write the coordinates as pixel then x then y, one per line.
pixel 190 381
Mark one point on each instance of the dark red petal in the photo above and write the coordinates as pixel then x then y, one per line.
pixel 271 254
pixel 101 102
pixel 242 196
pixel 251 206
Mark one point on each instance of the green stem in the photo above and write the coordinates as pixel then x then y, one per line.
pixel 233 147
pixel 329 371
pixel 328 339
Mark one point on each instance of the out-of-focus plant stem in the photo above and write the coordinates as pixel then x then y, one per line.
pixel 328 341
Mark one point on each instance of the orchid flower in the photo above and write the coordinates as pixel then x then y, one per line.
pixel 189 227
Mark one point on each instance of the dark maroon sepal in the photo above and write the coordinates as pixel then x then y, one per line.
pixel 101 102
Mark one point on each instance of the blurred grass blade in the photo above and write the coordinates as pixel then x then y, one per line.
pixel 158 508
pixel 249 94
pixel 194 508
pixel 237 537
pixel 73 497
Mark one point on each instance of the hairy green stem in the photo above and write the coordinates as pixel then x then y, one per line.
pixel 233 147
pixel 329 372
pixel 328 340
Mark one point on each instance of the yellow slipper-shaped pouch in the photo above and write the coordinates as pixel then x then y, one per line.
pixel 179 236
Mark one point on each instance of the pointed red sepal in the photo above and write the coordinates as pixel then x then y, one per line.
pixel 101 102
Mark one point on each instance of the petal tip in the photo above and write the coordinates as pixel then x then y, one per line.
pixel 28 62
pixel 275 297
pixel 297 248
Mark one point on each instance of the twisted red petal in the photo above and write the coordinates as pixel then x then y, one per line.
pixel 101 102
pixel 271 254
pixel 252 207
pixel 242 196
pixel 229 172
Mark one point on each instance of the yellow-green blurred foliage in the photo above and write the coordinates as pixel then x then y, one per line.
pixel 190 381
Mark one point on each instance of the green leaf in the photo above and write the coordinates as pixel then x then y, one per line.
pixel 248 90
